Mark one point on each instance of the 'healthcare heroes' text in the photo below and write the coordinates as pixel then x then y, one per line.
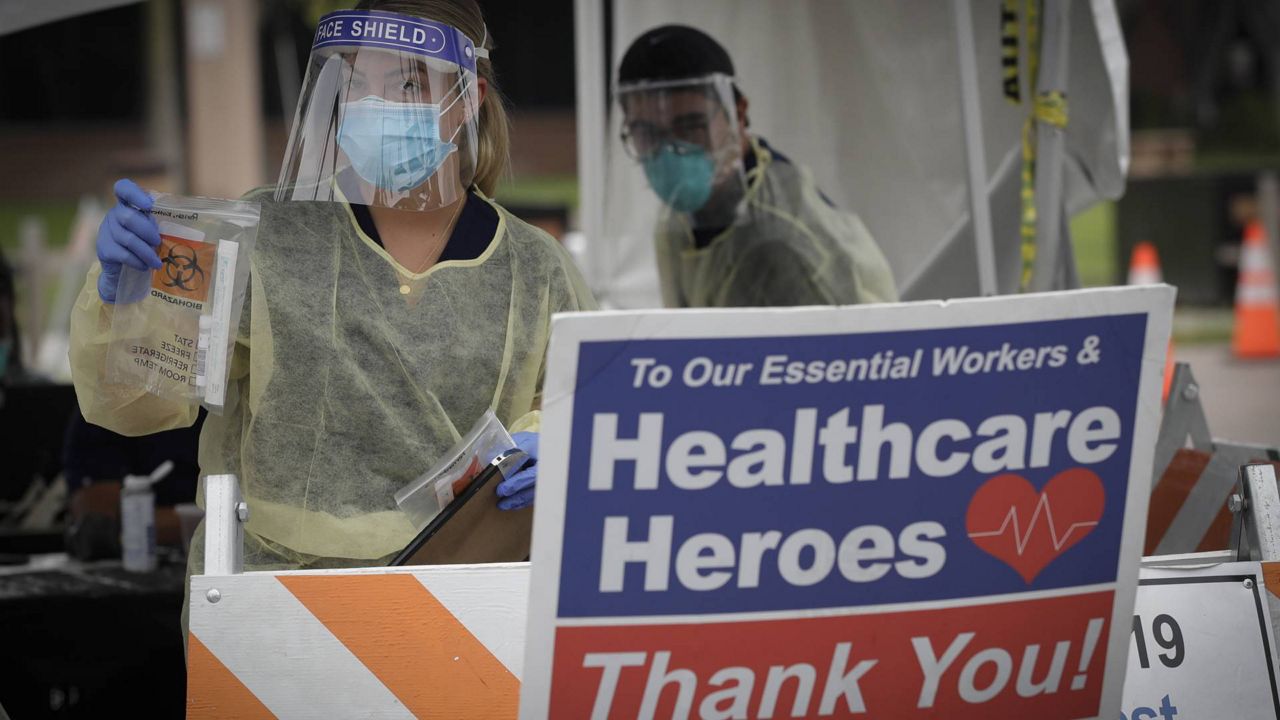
pixel 844 452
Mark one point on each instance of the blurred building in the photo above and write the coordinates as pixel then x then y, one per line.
pixel 198 95
pixel 1204 91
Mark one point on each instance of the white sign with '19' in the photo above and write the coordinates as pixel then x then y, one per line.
pixel 1201 646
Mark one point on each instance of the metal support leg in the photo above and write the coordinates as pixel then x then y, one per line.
pixel 1257 506
pixel 225 516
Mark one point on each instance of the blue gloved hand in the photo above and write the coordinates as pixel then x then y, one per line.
pixel 127 236
pixel 517 491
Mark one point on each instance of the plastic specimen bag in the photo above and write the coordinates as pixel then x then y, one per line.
pixel 423 498
pixel 173 329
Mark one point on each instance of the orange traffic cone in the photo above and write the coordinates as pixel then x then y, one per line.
pixel 1144 265
pixel 1144 269
pixel 1257 330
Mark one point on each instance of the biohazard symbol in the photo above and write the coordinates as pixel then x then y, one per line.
pixel 185 267
pixel 182 268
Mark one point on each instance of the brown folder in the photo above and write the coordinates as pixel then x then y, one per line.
pixel 472 529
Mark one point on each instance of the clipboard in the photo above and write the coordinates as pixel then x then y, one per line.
pixel 472 529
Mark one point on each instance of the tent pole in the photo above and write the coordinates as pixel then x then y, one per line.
pixel 588 17
pixel 975 149
pixel 1051 243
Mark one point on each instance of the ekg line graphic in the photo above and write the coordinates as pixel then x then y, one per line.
pixel 1020 538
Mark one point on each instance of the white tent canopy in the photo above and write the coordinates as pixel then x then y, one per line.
pixel 868 95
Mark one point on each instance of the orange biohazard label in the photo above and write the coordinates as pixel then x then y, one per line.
pixel 186 269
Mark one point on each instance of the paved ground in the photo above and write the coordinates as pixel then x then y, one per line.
pixel 1241 398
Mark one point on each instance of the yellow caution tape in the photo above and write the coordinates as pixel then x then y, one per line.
pixel 1049 108
pixel 1009 50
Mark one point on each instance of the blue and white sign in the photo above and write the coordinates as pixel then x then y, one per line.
pixel 906 509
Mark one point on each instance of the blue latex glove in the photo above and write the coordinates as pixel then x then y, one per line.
pixel 127 236
pixel 517 491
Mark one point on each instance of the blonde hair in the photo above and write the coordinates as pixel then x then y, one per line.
pixel 493 156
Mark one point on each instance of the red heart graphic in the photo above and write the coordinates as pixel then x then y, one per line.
pixel 1027 530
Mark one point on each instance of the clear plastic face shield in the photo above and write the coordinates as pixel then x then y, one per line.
pixel 685 135
pixel 388 114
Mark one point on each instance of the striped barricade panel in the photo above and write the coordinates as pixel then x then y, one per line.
pixel 443 641
pixel 1188 511
pixel 1193 476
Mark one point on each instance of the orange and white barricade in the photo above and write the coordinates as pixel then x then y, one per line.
pixel 441 641
pixel 1193 476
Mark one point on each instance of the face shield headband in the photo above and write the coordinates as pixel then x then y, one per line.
pixel 393 31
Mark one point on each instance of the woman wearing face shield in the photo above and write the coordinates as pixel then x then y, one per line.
pixel 391 302
pixel 742 225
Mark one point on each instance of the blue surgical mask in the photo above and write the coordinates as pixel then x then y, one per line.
pixel 681 174
pixel 394 146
